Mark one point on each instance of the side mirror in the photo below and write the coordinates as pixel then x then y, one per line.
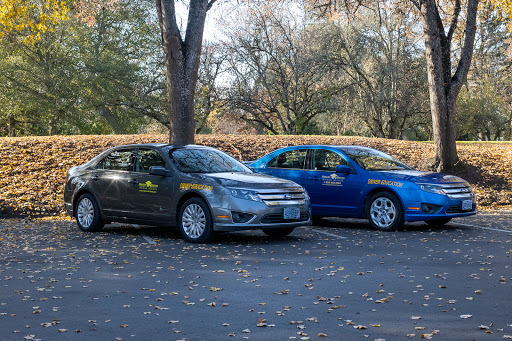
pixel 343 169
pixel 158 170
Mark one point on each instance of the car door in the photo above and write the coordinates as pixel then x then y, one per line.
pixel 332 194
pixel 110 181
pixel 150 195
pixel 288 165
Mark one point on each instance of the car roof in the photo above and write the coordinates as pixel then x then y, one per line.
pixel 160 145
pixel 329 146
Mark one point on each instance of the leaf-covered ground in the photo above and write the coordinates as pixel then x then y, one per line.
pixel 33 169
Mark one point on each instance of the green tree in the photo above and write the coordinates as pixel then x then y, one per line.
pixel 446 70
pixel 277 82
pixel 381 62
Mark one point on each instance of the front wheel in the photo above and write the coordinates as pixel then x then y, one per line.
pixel 195 221
pixel 278 232
pixel 88 216
pixel 438 222
pixel 384 211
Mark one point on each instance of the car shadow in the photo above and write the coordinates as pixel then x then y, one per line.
pixel 363 225
pixel 161 233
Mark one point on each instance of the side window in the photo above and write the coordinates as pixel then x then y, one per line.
pixel 293 159
pixel 326 160
pixel 118 160
pixel 147 158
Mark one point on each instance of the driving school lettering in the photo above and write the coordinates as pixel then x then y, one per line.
pixel 384 182
pixel 185 186
pixel 148 187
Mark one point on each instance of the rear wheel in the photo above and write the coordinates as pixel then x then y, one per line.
pixel 195 221
pixel 438 222
pixel 384 211
pixel 278 232
pixel 88 216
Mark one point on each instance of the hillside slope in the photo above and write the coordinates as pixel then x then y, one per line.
pixel 33 169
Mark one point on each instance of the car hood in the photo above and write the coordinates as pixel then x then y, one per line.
pixel 422 177
pixel 247 180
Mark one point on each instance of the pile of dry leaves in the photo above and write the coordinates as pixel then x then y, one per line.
pixel 33 169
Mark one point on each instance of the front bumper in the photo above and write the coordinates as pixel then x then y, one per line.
pixel 263 216
pixel 447 208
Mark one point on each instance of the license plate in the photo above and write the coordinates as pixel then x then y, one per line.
pixel 467 205
pixel 291 213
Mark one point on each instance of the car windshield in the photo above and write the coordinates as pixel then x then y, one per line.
pixel 374 160
pixel 205 161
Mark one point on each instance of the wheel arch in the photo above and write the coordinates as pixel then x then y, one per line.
pixel 377 190
pixel 78 194
pixel 190 195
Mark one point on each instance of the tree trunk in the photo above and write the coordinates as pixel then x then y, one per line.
pixel 53 129
pixel 182 57
pixel 444 88
pixel 12 126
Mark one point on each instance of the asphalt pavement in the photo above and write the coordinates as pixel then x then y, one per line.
pixel 339 280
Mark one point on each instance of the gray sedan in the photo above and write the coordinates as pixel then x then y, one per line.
pixel 199 189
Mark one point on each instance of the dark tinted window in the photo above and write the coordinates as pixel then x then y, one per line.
pixel 327 160
pixel 118 160
pixel 205 161
pixel 293 159
pixel 147 158
pixel 374 160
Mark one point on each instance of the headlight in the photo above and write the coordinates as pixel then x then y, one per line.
pixel 244 194
pixel 306 195
pixel 432 189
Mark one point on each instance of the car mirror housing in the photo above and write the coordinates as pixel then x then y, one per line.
pixel 157 170
pixel 343 169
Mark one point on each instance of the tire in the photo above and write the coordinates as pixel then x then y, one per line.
pixel 384 211
pixel 88 215
pixel 278 232
pixel 195 221
pixel 438 222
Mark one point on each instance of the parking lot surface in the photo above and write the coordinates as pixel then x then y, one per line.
pixel 337 280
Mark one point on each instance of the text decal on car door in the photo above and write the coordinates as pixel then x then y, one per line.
pixel 384 182
pixel 184 186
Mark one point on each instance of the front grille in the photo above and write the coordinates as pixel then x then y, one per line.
pixel 458 209
pixel 276 218
pixel 283 196
pixel 458 191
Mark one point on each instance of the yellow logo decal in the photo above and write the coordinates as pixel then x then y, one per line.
pixel 384 182
pixel 185 186
pixel 148 187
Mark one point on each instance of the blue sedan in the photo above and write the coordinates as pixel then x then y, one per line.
pixel 360 182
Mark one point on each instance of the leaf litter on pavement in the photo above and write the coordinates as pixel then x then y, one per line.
pixel 57 280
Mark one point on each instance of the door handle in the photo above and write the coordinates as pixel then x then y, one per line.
pixel 95 177
pixel 133 181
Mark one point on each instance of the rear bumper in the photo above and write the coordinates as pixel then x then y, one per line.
pixel 69 208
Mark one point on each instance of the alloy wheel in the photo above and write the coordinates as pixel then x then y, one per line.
pixel 85 212
pixel 194 221
pixel 383 212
